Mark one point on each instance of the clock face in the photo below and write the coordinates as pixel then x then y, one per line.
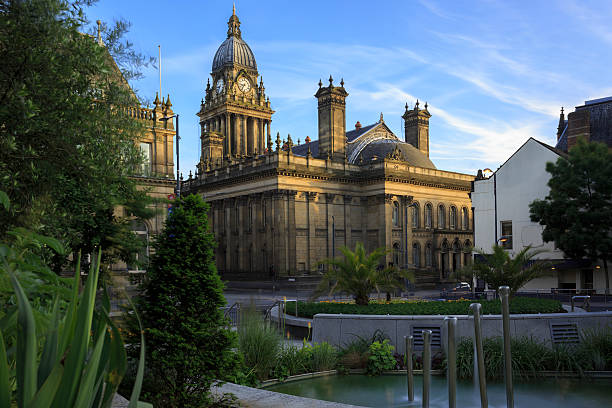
pixel 220 86
pixel 244 85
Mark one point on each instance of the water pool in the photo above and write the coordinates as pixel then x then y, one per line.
pixel 390 391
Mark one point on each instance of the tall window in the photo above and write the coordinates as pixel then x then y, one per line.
pixel 415 215
pixel 428 216
pixel 428 255
pixel 441 217
pixel 145 150
pixel 416 255
pixel 506 238
pixel 453 217
pixel 395 214
pixel 456 256
pixel 396 254
pixel 465 218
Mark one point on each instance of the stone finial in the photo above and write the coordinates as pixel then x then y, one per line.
pixel 320 83
pixel 381 118
pixel 269 144
pixel 99 32
pixel 278 141
pixel 562 110
pixel 234 9
pixel 289 141
pixel 190 175
pixel 181 177
pixel 156 101
pixel 331 81
pixel 406 106
pixel 298 141
pixel 425 105
pixel 416 105
pixel 208 84
pixel 342 82
pixel 168 103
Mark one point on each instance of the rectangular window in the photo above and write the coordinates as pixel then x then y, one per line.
pixel 146 151
pixel 506 235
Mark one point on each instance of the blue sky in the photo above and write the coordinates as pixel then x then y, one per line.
pixel 494 73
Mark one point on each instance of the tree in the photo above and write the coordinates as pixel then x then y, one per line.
pixel 66 152
pixel 577 212
pixel 500 269
pixel 188 346
pixel 391 278
pixel 359 275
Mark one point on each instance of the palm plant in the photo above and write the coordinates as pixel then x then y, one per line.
pixel 391 278
pixel 499 268
pixel 357 274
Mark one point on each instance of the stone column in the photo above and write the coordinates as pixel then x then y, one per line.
pixel 291 241
pixel 236 134
pixel 329 213
pixel 310 219
pixel 244 141
pixel 386 233
pixel 240 226
pixel 279 236
pixel 227 231
pixel 348 226
pixel 228 138
pixel 364 221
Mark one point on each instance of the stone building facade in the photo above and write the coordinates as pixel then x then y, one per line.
pixel 278 208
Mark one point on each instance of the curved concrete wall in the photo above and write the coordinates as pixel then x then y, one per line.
pixel 339 329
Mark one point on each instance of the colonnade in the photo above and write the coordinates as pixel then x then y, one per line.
pixel 247 134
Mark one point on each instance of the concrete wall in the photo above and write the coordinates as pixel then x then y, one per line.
pixel 340 330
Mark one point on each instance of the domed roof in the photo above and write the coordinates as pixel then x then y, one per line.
pixel 234 50
pixel 381 148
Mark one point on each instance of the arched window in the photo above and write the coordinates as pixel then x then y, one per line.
pixel 428 255
pixel 415 215
pixel 453 217
pixel 465 219
pixel 395 215
pixel 441 217
pixel 456 256
pixel 428 216
pixel 416 255
pixel 396 254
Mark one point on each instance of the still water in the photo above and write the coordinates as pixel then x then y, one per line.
pixel 390 391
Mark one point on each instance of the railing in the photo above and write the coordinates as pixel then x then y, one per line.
pixel 232 313
pixel 586 304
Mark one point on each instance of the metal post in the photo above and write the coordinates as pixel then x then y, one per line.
pixel 451 325
pixel 426 366
pixel 482 378
pixel 504 292
pixel 409 374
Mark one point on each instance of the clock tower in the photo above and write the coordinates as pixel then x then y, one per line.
pixel 235 114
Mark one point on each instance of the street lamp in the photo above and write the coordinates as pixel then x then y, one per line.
pixel 178 180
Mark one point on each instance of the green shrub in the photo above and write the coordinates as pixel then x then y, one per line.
pixel 292 361
pixel 260 345
pixel 355 353
pixel 324 357
pixel 518 305
pixel 380 358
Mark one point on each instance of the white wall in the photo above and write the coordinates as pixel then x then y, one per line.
pixel 519 181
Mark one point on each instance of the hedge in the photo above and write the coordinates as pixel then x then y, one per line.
pixel 518 305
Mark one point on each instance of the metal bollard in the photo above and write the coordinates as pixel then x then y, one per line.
pixel 482 377
pixel 426 366
pixel 504 293
pixel 451 325
pixel 409 374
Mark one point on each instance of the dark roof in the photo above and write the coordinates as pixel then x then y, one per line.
pixel 302 149
pixel 234 51
pixel 355 133
pixel 381 148
pixel 601 119
pixel 562 142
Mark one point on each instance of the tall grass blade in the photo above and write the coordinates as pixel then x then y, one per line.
pixel 87 391
pixel 76 355
pixel 117 362
pixel 26 347
pixel 5 391
pixel 70 320
pixel 134 403
pixel 49 355
pixel 46 393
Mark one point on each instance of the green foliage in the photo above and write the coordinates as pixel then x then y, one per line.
pixel 260 345
pixel 577 212
pixel 380 358
pixel 518 305
pixel 355 354
pixel 320 357
pixel 188 345
pixel 359 274
pixel 391 278
pixel 82 359
pixel 65 151
pixel 501 269
pixel 531 357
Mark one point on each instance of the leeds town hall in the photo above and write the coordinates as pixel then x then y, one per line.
pixel 279 207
